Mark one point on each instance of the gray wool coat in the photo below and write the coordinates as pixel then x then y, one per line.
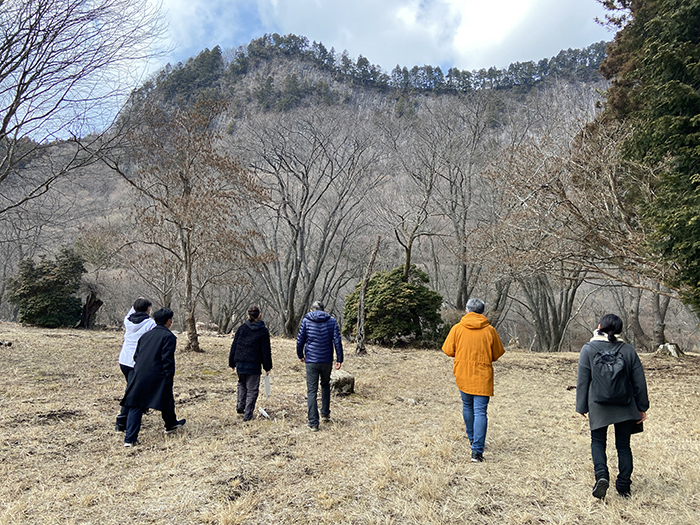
pixel 603 415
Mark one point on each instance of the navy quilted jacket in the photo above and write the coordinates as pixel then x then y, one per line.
pixel 318 334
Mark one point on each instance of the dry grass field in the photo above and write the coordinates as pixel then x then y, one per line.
pixel 395 451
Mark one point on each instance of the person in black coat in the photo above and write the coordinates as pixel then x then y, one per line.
pixel 250 349
pixel 151 384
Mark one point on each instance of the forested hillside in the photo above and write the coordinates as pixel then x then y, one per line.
pixel 265 173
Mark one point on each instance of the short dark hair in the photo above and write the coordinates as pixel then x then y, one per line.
pixel 141 304
pixel 317 305
pixel 475 305
pixel 161 316
pixel 611 325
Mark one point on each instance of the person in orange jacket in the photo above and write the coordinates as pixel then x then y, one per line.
pixel 475 345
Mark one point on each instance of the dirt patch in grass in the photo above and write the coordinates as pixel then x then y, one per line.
pixel 395 451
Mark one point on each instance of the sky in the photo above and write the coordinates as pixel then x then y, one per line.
pixel 468 34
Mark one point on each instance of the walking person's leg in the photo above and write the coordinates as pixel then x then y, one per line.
pixel 252 390
pixel 599 438
pixel 325 374
pixel 468 415
pixel 481 404
pixel 169 418
pixel 312 377
pixel 121 418
pixel 242 393
pixel 623 432
pixel 133 425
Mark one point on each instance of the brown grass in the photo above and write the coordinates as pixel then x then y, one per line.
pixel 395 452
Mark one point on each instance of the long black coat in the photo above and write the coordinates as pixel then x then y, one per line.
pixel 151 383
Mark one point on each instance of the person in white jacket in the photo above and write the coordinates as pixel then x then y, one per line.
pixel 136 323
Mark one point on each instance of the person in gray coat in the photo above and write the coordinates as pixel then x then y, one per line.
pixel 626 418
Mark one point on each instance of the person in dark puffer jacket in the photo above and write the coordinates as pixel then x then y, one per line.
pixel 317 336
pixel 250 349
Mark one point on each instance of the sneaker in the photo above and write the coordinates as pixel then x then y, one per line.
pixel 477 457
pixel 178 424
pixel 313 428
pixel 326 419
pixel 240 410
pixel 624 494
pixel 120 428
pixel 600 488
pixel 129 444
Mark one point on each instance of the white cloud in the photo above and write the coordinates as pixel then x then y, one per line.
pixel 469 34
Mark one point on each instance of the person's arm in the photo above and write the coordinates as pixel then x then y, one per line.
pixel 583 382
pixel 126 317
pixel 266 352
pixel 497 349
pixel 232 353
pixel 338 343
pixel 167 356
pixel 301 340
pixel 449 345
pixel 639 386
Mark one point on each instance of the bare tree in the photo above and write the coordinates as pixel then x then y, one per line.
pixel 360 332
pixel 192 197
pixel 461 144
pixel 65 67
pixel 408 205
pixel 318 168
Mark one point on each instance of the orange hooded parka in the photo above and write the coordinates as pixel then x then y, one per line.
pixel 474 344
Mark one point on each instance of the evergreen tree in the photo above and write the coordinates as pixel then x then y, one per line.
pixel 396 309
pixel 44 291
pixel 655 64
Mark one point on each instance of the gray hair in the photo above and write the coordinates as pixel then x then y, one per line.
pixel 317 305
pixel 475 305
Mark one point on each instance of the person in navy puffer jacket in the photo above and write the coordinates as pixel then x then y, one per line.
pixel 318 334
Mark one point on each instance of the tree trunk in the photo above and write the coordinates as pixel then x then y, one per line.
pixel 659 308
pixel 500 299
pixel 462 291
pixel 360 336
pixel 641 340
pixel 192 335
pixel 90 308
pixel 190 304
pixel 407 263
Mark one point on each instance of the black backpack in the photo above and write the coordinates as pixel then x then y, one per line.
pixel 610 382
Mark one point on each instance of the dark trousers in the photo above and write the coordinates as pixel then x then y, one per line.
pixel 623 431
pixel 314 372
pixel 248 390
pixel 133 421
pixel 121 418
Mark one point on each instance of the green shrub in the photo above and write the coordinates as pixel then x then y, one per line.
pixel 44 291
pixel 396 311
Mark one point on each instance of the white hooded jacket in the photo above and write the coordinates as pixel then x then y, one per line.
pixel 133 333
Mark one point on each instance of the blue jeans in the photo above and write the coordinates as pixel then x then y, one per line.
pixel 475 419
pixel 314 372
